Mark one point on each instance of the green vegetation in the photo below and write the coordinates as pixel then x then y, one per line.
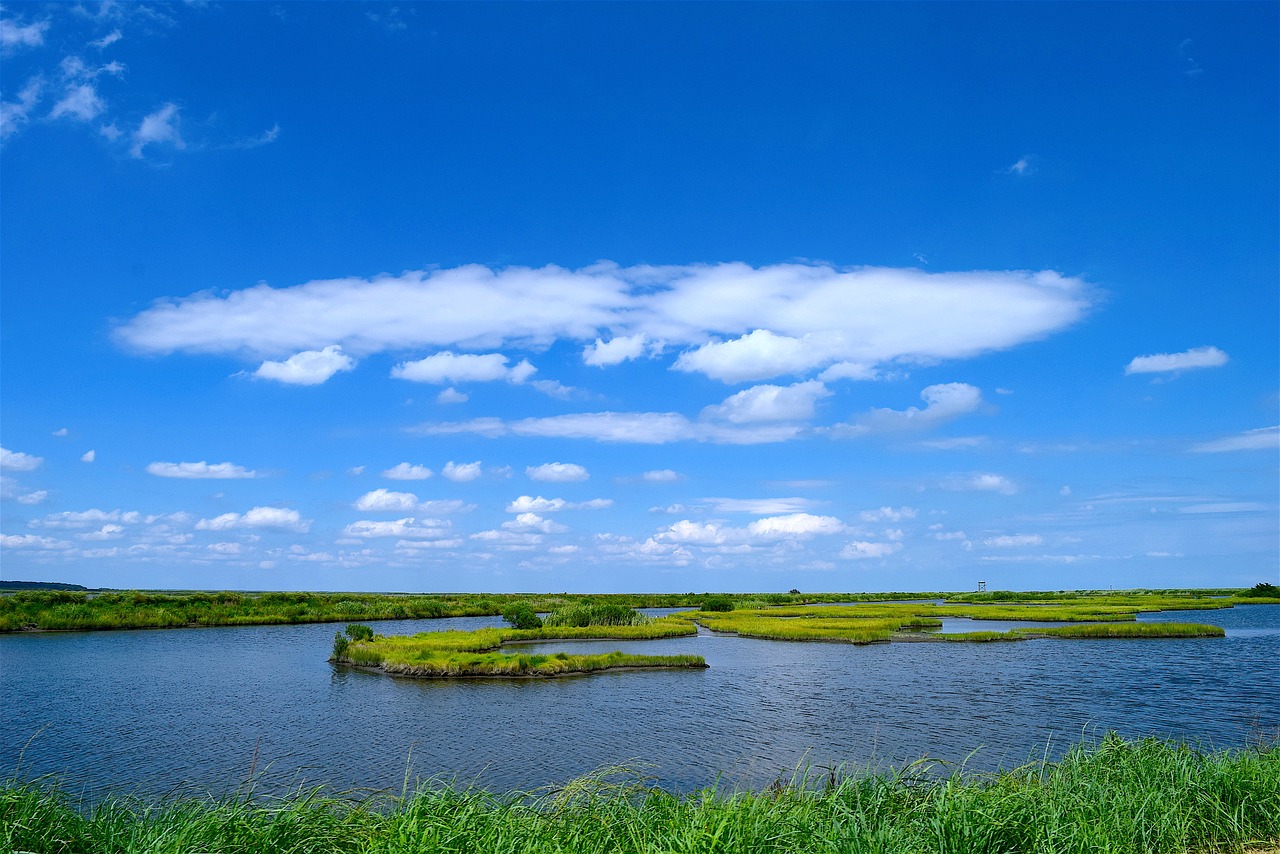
pixel 1130 630
pixel 1147 797
pixel 1262 592
pixel 520 615
pixel 878 622
pixel 454 653
pixel 595 614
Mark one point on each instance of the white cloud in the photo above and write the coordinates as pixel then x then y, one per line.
pixel 201 470
pixel 87 518
pixel 981 482
pixel 863 550
pixel 407 528
pixel 557 472
pixel 759 506
pixel 106 532
pixel 617 350
pixel 107 40
pixel 407 471
pixel 269 518
pixel 448 367
pixel 452 395
pixel 88 456
pixel 14 35
pixel 685 531
pixel 445 506
pixel 770 403
pixel 15 114
pixel 225 548
pixel 650 428
pixel 535 523
pixel 1196 357
pixel 382 500
pixel 1014 541
pixel 81 102
pixel 848 371
pixel 529 504
pixel 31 541
pixel 942 402
pixel 795 525
pixel 661 476
pixel 1261 439
pixel 310 367
pixel 18 461
pixel 462 472
pixel 888 514
pixel 1021 167
pixel 61 431
pixel 158 128
pixel 739 322
pixel 33 497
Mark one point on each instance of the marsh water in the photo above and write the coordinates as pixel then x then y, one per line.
pixel 200 710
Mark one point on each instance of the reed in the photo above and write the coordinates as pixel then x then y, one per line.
pixel 1147 796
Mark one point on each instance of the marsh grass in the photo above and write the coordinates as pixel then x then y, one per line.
pixel 477 653
pixel 1129 630
pixel 1145 797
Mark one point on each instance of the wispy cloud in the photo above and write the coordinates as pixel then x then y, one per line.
pixel 1261 439
pixel 1187 360
pixel 201 471
pixel 158 128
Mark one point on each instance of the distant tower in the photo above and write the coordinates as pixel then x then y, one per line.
pixel 982 587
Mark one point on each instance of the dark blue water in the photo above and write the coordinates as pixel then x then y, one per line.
pixel 198 709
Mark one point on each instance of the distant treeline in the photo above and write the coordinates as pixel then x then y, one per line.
pixel 63 609
pixel 39 585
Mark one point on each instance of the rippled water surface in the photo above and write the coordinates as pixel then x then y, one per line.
pixel 197 709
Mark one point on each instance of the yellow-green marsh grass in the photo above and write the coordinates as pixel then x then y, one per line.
pixel 1129 630
pixel 475 653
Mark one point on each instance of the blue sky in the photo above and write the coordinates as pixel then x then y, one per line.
pixel 632 297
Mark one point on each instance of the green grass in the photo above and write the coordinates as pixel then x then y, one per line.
pixel 476 653
pixel 1130 630
pixel 1144 797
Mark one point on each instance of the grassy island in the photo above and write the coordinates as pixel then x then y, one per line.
pixel 478 653
pixel 1100 617
pixel 1147 796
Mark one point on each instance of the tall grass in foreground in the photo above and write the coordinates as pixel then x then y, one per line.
pixel 1145 797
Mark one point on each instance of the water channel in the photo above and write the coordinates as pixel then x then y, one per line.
pixel 199 710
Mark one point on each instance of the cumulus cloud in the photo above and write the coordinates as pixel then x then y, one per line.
pixel 1014 541
pixel 462 472
pixel 201 470
pixel 449 367
pixel 530 504
pixel 18 461
pixel 863 550
pixel 36 497
pixel 407 471
pixel 310 367
pixel 31 541
pixel 770 403
pixel 736 322
pixel 532 522
pixel 942 403
pixel 160 127
pixel 888 514
pixel 1261 439
pixel 661 476
pixel 1187 360
pixel 557 472
pixel 617 350
pixel 452 395
pixel 88 456
pixel 382 500
pixel 87 518
pixel 268 518
pixel 795 525
pixel 981 482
